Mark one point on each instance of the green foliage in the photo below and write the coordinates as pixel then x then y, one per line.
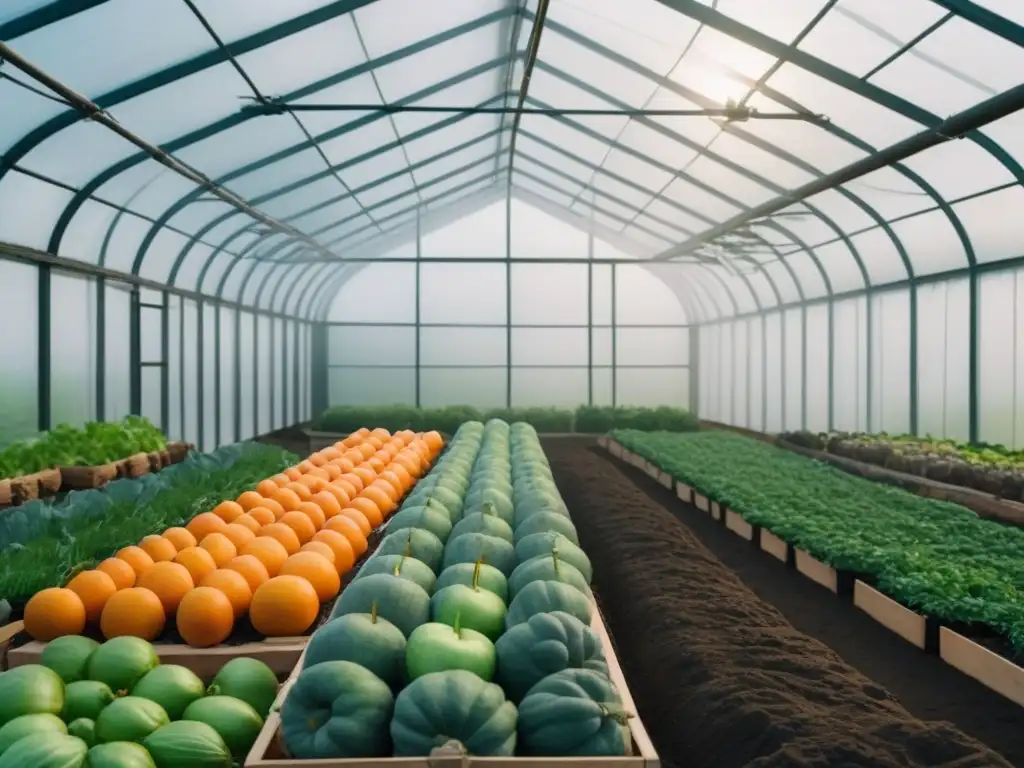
pixel 584 420
pixel 94 444
pixel 934 556
pixel 42 544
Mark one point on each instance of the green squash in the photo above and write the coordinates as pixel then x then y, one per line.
pixel 236 722
pixel 544 644
pixel 337 709
pixel 85 698
pixel 121 662
pixel 469 606
pixel 403 603
pixel 545 597
pixel 119 754
pixel 483 522
pixel 408 568
pixel 414 542
pixel 31 689
pixel 471 547
pixel 453 705
pixel 535 501
pixel 68 656
pixel 45 750
pixel 491 498
pixel 547 521
pixel 431 517
pixel 29 725
pixel 85 729
pixel 574 713
pixel 488 577
pixel 130 718
pixel 548 567
pixel 446 498
pixel 187 744
pixel 250 680
pixel 364 639
pixel 171 686
pixel 537 544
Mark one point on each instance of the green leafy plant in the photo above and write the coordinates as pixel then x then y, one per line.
pixel 42 544
pixel 933 556
pixel 92 445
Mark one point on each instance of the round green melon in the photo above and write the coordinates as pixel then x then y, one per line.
pixel 85 698
pixel 85 729
pixel 489 578
pixel 429 517
pixel 30 690
pixel 544 543
pixel 121 662
pixel 68 656
pixel 546 597
pixel 187 744
pixel 471 547
pixel 130 718
pixel 45 750
pixel 365 639
pixel 171 686
pixel 482 522
pixel 236 722
pixel 547 521
pixel 408 568
pixel 403 603
pixel 119 754
pixel 414 542
pixel 549 567
pixel 250 680
pixel 29 725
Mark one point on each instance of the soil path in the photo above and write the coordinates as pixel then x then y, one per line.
pixel 723 678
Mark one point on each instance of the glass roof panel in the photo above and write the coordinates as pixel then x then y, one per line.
pixel 890 193
pixel 758 15
pixel 400 185
pixel 469 93
pixel 537 172
pixel 528 184
pixel 994 224
pixel 931 243
pixel 462 129
pixel 668 211
pixel 697 199
pixel 633 194
pixel 550 89
pixel 959 168
pixel 559 131
pixel 388 25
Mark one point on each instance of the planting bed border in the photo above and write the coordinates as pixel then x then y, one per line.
pixel 320 440
pixel 267 751
pixel 925 632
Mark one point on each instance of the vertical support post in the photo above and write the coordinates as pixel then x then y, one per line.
pixel 694 371
pixel 973 367
pixel 764 372
pixel 615 333
pixel 508 296
pixel 135 351
pixel 255 374
pixel 590 317
pixel 869 362
pixel 165 368
pixel 272 388
pixel 200 373
pixel 318 368
pixel 181 370
pixel 831 365
pixel 237 377
pixel 101 349
pixel 913 360
pixel 296 398
pixel 44 349
pixel 803 367
pixel 419 256
pixel 216 375
pixel 782 368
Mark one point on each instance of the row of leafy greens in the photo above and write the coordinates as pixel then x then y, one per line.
pixel 92 445
pixel 42 544
pixel 933 556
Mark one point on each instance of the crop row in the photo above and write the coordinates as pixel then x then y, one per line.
pixel 933 556
pixel 469 628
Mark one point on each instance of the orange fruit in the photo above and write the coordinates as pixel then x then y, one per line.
pixel 229 510
pixel 250 522
pixel 202 525
pixel 344 555
pixel 392 493
pixel 365 474
pixel 285 606
pixel 93 588
pixel 350 531
pixel 380 497
pixel 301 490
pixel 359 519
pixel 300 523
pixel 315 514
pixel 317 473
pixel 380 433
pixel 197 561
pixel 354 455
pixel 287 499
pixel 313 484
pixel 248 500
pixel 136 612
pixel 220 547
pixel 253 571
pixel 180 538
pixel 169 582
pixel 369 508
pixel 305 467
pixel 410 463
pixel 268 551
pixel 344 464
pixel 401 473
pixel 346 486
pixel 205 618
pixel 239 535
pixel 317 460
pixel 280 481
pixel 374 442
pixel 330 453
pixel 330 505
pixel 352 479
pixel 284 534
pixel 317 570
pixel 275 507
pixel 374 464
pixel 333 471
pixel 263 515
pixel 54 612
pixel 434 441
pixel 137 559
pixel 234 586
pixel 320 548
pixel 397 484
pixel 293 474
pixel 119 570
pixel 266 487
pixel 158 548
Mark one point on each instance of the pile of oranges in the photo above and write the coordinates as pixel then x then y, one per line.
pixel 275 553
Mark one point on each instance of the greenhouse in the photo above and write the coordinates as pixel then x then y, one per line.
pixel 398 362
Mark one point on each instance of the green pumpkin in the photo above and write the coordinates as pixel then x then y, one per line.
pixel 337 709
pixel 454 705
pixel 365 639
pixel 408 568
pixel 68 656
pixel 31 689
pixel 545 597
pixel 403 603
pixel 85 698
pixel 548 567
pixel 414 542
pixel 85 729
pixel 119 754
pixel 547 521
pixel 497 492
pixel 574 713
pixel 446 498
pixel 29 725
pixel 536 502
pixel 488 577
pixel 45 750
pixel 471 547
pixel 544 644
pixel 483 522
pixel 537 544
pixel 428 517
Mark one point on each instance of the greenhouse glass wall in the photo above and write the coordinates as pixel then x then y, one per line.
pixel 227 216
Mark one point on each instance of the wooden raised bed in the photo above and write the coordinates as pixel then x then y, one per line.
pixel 774 546
pixel 735 523
pixel 817 571
pixel 911 626
pixel 684 492
pixel 268 752
pixel 990 669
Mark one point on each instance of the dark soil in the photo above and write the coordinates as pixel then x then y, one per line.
pixel 722 678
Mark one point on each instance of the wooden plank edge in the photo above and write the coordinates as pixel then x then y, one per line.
pixel 735 523
pixel 701 502
pixel 911 626
pixel 817 571
pixel 646 754
pixel 684 492
pixel 665 479
pixel 774 546
pixel 990 669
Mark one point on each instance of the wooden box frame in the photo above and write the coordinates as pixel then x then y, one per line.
pixel 817 571
pixel 990 669
pixel 774 546
pixel 735 523
pixel 684 492
pixel 912 627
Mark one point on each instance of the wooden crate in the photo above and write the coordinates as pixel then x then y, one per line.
pixel 912 627
pixel 735 523
pixel 817 571
pixel 267 752
pixel 774 546
pixel 990 669
pixel 85 478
